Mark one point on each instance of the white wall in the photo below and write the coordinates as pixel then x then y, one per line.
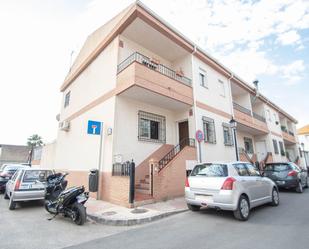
pixel 97 79
pixel 77 150
pixel 211 95
pixel 126 141
pixel 130 47
pixel 217 151
pixel 48 155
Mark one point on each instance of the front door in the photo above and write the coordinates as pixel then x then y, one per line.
pixel 261 150
pixel 183 131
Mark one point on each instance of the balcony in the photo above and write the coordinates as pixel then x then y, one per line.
pixel 250 121
pixel 147 62
pixel 288 137
pixel 141 78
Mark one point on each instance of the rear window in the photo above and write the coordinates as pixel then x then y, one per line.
pixel 32 175
pixel 210 170
pixel 277 167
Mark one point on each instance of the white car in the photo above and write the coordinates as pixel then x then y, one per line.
pixel 236 186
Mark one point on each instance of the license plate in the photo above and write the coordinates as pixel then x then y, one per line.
pixel 204 198
pixel 280 182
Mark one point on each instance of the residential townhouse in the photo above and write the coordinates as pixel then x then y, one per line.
pixel 152 88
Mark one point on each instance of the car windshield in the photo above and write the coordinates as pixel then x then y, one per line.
pixel 210 170
pixel 32 175
pixel 277 167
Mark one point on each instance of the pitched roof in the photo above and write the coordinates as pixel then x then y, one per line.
pixel 94 40
pixel 304 130
pixel 99 39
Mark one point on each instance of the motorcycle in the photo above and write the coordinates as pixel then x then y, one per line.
pixel 69 203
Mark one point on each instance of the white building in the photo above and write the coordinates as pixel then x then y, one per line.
pixel 153 89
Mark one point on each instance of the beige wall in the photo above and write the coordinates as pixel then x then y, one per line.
pixel 48 155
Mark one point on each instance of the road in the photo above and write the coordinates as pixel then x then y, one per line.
pixel 27 227
pixel 281 227
pixel 284 227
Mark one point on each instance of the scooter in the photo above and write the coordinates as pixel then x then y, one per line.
pixel 69 203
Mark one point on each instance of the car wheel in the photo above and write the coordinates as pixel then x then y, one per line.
pixel 6 195
pixel 275 198
pixel 193 208
pixel 299 188
pixel 12 204
pixel 243 209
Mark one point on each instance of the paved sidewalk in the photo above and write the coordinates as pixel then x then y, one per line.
pixel 110 214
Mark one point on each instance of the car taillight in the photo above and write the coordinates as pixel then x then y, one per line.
pixel 17 185
pixel 187 183
pixel 228 183
pixel 292 173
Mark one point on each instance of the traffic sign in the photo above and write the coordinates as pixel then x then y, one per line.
pixel 199 135
pixel 94 127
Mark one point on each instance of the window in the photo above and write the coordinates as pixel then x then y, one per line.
pixel 241 169
pixel 275 144
pixel 67 99
pixel 281 148
pixel 227 134
pixel 222 88
pixel 210 170
pixel 202 78
pixel 209 130
pixel 248 145
pixel 251 170
pixel 151 127
pixel 300 152
pixel 268 115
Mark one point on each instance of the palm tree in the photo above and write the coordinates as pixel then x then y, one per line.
pixel 33 141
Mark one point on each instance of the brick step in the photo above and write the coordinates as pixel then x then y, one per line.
pixel 142 191
pixel 142 185
pixel 145 181
pixel 142 199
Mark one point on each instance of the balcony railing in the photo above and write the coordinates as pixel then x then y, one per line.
pixel 242 109
pixel 248 112
pixel 259 117
pixel 144 60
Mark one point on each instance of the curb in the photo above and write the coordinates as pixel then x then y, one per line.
pixel 132 222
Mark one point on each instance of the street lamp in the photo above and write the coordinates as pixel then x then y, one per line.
pixel 233 124
pixel 303 146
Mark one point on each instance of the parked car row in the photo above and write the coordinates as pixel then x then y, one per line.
pixel 22 183
pixel 239 186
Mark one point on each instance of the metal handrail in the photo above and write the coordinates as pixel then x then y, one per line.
pixel 259 117
pixel 242 109
pixel 146 61
pixel 175 151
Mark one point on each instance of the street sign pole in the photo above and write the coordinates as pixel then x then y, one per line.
pixel 199 135
pixel 100 159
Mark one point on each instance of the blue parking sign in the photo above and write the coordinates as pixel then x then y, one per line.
pixel 94 127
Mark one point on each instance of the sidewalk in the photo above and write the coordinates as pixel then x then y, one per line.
pixel 110 214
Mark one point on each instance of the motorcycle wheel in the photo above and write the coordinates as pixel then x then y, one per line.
pixel 46 207
pixel 80 213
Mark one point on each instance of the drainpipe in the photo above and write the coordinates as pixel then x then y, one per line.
pixel 233 119
pixel 194 97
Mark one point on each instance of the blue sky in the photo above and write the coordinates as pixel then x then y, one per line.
pixel 266 40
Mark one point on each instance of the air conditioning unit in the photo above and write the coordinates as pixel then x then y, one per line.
pixel 64 125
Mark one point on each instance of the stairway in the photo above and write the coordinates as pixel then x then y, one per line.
pixel 143 187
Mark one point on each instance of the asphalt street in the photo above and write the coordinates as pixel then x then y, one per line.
pixel 27 227
pixel 282 227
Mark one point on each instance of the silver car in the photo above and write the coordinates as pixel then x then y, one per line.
pixel 236 186
pixel 26 184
